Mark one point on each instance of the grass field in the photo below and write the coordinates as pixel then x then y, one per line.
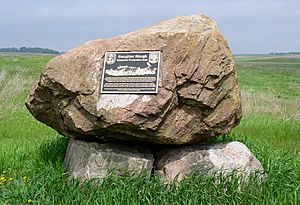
pixel 31 154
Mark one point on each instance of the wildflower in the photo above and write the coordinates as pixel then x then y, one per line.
pixel 25 178
pixel 10 179
pixel 29 201
pixel 3 179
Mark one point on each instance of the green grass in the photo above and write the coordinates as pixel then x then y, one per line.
pixel 268 130
pixel 278 77
pixel 271 101
pixel 46 183
pixel 31 154
pixel 17 75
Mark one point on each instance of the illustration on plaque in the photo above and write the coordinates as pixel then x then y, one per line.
pixel 125 70
pixel 131 72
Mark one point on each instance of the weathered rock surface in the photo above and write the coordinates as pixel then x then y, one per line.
pixel 198 96
pixel 176 163
pixel 91 160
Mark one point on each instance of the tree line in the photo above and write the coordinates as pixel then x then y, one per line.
pixel 285 53
pixel 29 50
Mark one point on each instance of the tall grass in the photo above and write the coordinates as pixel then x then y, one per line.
pixel 31 154
pixel 271 101
pixel 257 104
pixel 48 184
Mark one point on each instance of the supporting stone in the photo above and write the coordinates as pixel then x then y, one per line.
pixel 91 160
pixel 176 163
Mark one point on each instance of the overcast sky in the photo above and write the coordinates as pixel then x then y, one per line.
pixel 250 26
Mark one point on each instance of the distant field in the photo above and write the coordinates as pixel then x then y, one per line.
pixel 273 76
pixel 271 100
pixel 269 58
pixel 31 154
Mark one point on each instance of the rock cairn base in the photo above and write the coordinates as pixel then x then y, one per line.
pixel 91 160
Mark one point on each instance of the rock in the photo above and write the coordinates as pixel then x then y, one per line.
pixel 176 163
pixel 91 160
pixel 198 95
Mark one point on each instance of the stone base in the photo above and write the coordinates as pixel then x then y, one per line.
pixel 225 158
pixel 91 160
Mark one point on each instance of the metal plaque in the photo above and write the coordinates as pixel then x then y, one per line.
pixel 131 72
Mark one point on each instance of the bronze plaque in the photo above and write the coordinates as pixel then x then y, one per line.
pixel 131 72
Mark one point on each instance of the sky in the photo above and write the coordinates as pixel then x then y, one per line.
pixel 250 26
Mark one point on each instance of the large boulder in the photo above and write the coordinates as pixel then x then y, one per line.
pixel 198 94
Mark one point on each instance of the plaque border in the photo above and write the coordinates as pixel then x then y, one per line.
pixel 131 92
